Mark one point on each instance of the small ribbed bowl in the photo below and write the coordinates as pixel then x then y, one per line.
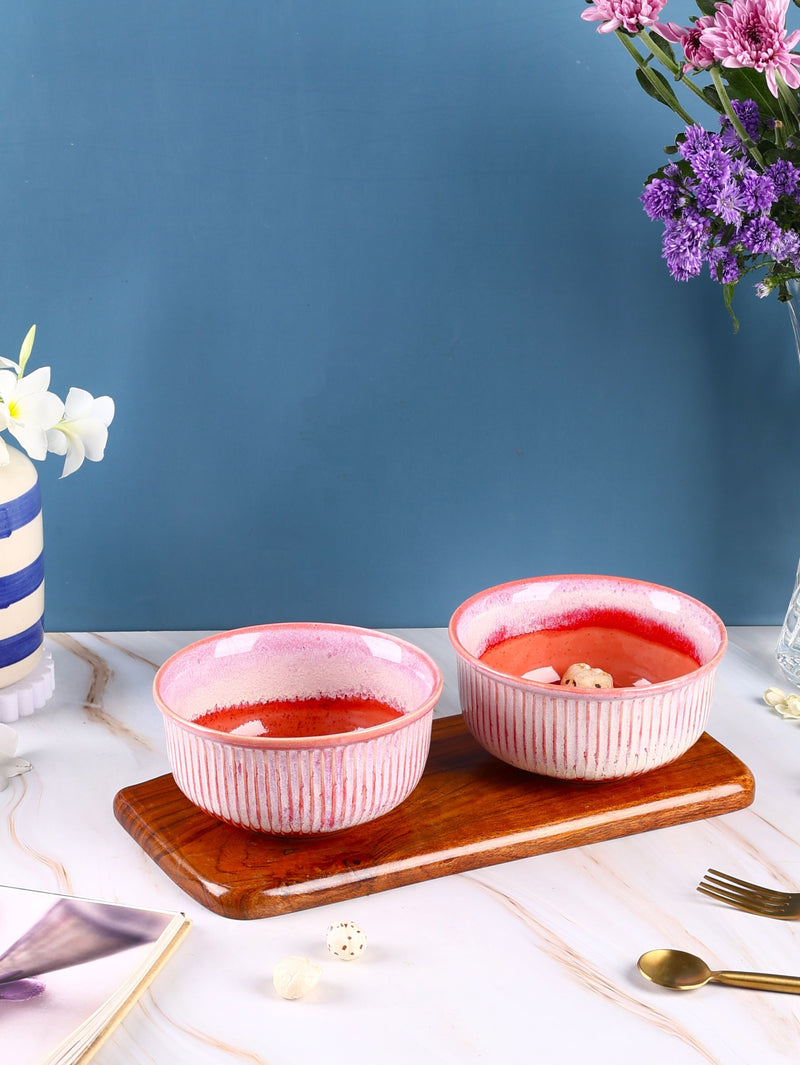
pixel 580 733
pixel 297 786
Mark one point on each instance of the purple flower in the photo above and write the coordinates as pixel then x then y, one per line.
pixel 723 264
pixel 760 235
pixel 717 208
pixel 683 243
pixel 726 202
pixel 661 198
pixel 712 166
pixel 787 247
pixel 695 140
pixel 758 192
pixel 785 176
pixel 730 271
pixel 747 113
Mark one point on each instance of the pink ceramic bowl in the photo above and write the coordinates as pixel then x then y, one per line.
pixel 293 786
pixel 585 733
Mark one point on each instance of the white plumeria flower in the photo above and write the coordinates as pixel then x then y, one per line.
pixel 786 705
pixel 5 458
pixel 774 696
pixel 791 708
pixel 83 432
pixel 41 422
pixel 30 409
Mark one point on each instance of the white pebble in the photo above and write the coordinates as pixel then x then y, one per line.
pixel 249 728
pixel 294 977
pixel 346 940
pixel 544 675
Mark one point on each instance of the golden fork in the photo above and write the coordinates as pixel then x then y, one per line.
pixel 752 898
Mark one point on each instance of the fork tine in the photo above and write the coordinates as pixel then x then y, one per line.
pixel 733 883
pixel 731 900
pixel 750 898
pixel 744 900
pixel 741 894
pixel 731 892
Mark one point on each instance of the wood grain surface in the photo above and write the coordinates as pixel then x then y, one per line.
pixel 469 810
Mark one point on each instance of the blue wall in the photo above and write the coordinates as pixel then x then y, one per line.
pixel 381 313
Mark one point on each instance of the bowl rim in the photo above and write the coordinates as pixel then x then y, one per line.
pixel 329 739
pixel 603 694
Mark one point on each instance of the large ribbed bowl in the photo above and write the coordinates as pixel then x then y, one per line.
pixel 292 786
pixel 579 733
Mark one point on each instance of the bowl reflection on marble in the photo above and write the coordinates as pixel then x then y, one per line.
pixel 298 784
pixel 581 733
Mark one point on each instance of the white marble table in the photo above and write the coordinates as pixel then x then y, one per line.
pixel 534 959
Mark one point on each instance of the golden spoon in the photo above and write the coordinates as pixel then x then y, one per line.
pixel 685 972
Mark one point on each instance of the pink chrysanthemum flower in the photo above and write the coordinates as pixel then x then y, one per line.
pixel 698 56
pixel 752 33
pixel 630 15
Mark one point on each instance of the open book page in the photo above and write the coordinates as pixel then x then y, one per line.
pixel 70 969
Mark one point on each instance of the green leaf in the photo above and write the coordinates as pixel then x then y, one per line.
pixel 665 46
pixel 728 290
pixel 663 93
pixel 712 98
pixel 709 7
pixel 745 84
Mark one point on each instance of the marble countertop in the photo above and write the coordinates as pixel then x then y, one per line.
pixel 530 959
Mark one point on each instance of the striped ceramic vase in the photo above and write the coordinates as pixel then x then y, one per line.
pixel 21 569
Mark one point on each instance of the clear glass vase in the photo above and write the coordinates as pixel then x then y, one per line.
pixel 788 650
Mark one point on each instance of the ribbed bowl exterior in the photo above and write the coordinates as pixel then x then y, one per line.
pixel 585 733
pixel 299 791
pixel 297 786
pixel 579 737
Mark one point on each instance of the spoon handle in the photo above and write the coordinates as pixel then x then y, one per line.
pixel 758 981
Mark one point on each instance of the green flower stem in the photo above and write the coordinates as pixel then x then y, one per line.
pixel 716 77
pixel 673 67
pixel 787 98
pixel 671 102
pixel 780 129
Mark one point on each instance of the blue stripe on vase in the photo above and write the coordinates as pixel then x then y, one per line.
pixel 18 512
pixel 17 647
pixel 17 585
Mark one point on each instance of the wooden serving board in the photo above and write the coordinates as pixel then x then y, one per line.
pixel 469 810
